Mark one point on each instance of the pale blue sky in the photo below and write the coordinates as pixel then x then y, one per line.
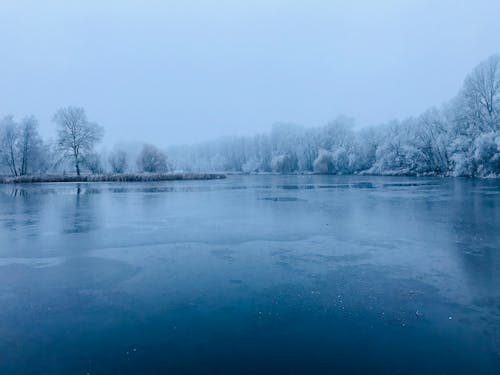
pixel 172 72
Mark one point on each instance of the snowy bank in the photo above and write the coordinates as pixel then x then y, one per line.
pixel 129 177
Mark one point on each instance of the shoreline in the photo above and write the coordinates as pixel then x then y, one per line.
pixel 365 174
pixel 128 177
pixel 156 177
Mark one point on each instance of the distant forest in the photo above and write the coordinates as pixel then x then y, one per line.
pixel 460 138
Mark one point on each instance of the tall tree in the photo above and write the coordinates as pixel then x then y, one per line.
pixel 9 139
pixel 29 144
pixel 76 135
pixel 481 95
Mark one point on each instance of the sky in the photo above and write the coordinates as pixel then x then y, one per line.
pixel 175 72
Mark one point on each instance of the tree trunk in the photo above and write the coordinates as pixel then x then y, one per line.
pixel 77 161
pixel 13 162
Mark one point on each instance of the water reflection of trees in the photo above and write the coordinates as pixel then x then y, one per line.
pixel 21 210
pixel 80 215
pixel 475 219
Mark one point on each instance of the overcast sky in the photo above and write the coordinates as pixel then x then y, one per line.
pixel 173 72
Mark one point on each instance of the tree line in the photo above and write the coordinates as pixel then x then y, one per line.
pixel 461 138
pixel 24 152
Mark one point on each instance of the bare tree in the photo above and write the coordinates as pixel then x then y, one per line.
pixel 118 161
pixel 76 135
pixel 152 160
pixel 482 94
pixel 29 144
pixel 9 138
pixel 93 162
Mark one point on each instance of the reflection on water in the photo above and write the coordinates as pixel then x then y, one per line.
pixel 275 274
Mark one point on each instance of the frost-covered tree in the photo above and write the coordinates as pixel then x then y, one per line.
pixel 9 141
pixel 93 162
pixel 21 147
pixel 338 133
pixel 76 135
pixel 284 163
pixel 324 162
pixel 118 161
pixel 430 138
pixel 30 145
pixel 473 113
pixel 390 155
pixel 152 160
pixel 333 162
pixel 307 149
pixel 487 154
pixel 481 96
pixel 365 148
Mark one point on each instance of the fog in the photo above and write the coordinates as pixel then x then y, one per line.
pixel 173 72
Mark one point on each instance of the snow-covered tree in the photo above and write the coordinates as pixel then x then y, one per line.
pixel 31 155
pixel 118 161
pixel 76 135
pixel 284 163
pixel 152 160
pixel 9 141
pixel 487 154
pixel 93 162
pixel 481 96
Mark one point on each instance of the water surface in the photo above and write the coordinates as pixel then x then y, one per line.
pixel 252 274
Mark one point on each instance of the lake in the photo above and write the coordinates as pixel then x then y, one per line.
pixel 251 274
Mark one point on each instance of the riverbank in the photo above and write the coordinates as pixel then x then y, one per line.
pixel 129 177
pixel 367 173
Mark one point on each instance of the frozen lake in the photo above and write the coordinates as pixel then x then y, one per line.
pixel 255 274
